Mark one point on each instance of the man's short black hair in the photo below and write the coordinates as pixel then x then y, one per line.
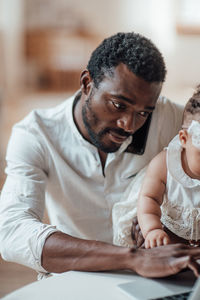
pixel 138 53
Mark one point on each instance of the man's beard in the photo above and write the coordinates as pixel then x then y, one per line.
pixel 96 138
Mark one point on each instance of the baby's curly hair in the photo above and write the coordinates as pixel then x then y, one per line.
pixel 138 53
pixel 192 107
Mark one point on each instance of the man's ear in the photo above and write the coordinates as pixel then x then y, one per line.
pixel 86 82
pixel 183 136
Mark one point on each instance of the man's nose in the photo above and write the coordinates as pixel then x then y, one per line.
pixel 127 123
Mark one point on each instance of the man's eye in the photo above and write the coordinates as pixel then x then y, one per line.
pixel 144 113
pixel 118 105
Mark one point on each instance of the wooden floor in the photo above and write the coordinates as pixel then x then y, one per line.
pixel 14 276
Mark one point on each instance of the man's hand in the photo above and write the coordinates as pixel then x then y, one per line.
pixel 136 234
pixel 62 253
pixel 166 260
pixel 155 238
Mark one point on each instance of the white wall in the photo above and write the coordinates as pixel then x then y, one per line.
pixel 11 26
pixel 155 19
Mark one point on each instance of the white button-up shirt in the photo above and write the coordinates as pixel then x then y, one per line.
pixel 49 162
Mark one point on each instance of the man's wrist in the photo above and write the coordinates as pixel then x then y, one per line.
pixel 130 259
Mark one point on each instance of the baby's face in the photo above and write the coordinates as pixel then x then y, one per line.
pixel 191 158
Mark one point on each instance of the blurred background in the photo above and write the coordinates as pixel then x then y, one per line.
pixel 44 45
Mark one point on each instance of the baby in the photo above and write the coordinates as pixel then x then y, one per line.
pixel 170 192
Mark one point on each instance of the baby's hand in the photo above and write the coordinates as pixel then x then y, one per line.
pixel 155 238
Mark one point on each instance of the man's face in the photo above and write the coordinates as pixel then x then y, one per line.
pixel 117 108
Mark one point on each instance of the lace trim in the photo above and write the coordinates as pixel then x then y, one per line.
pixel 185 224
pixel 124 238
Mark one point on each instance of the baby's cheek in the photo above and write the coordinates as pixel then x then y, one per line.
pixel 195 165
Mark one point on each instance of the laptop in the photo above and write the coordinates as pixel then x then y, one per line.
pixel 181 286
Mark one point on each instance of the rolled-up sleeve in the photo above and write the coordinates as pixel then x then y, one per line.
pixel 22 233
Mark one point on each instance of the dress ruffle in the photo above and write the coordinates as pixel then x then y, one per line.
pixel 181 203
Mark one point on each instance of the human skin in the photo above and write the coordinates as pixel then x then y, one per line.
pixel 138 239
pixel 63 253
pixel 150 200
pixel 122 101
pixel 153 189
pixel 190 154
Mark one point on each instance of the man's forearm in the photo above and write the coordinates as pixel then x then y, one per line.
pixel 62 253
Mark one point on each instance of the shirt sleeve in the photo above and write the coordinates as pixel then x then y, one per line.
pixel 170 119
pixel 22 233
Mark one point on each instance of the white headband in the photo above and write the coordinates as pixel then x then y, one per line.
pixel 194 131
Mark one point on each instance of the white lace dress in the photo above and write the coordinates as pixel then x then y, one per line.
pixel 181 204
pixel 124 211
pixel 180 208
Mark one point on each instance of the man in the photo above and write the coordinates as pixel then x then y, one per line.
pixel 80 158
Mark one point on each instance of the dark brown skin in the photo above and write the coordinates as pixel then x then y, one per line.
pixel 135 97
pixel 63 253
pixel 123 102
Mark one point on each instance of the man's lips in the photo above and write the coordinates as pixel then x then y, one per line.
pixel 117 138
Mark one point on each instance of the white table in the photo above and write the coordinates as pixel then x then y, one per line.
pixel 97 286
pixel 75 286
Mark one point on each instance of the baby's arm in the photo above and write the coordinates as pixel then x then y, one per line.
pixel 150 199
